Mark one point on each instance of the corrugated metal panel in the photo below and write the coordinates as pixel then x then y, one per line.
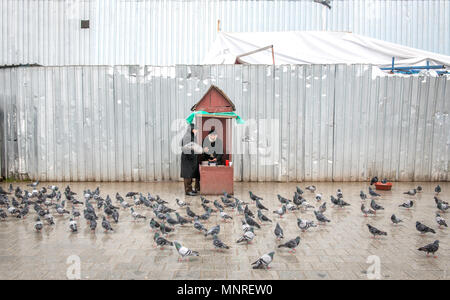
pixel 168 32
pixel 303 123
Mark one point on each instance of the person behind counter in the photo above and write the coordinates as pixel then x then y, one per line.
pixel 213 148
pixel 190 160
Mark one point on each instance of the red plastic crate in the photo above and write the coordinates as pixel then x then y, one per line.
pixel 383 186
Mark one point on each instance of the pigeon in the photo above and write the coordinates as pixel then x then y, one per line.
pixel 318 197
pixel 199 226
pixel 204 200
pixel 170 220
pixel 189 212
pixel 440 221
pixel 321 218
pixel 245 226
pixel 374 180
pixel 213 231
pixel 259 205
pixel 218 205
pixel 419 189
pixel 422 228
pixel 33 184
pixel 264 261
pixel 182 220
pixel 248 236
pixel 38 225
pixel 375 206
pixel 299 191
pixel 339 194
pixel 311 188
pixel 3 214
pixel 262 217
pixel 292 207
pixel 291 244
pixel 248 212
pixel 73 225
pixel 49 218
pixel 136 215
pixel 305 205
pixel 323 207
pixel 153 224
pixel 278 232
pixel 407 205
pixel 161 241
pixel 254 197
pixel 362 196
pixel 184 252
pixel 225 216
pixel 218 244
pixel 395 220
pixel 281 211
pixel 93 224
pixel 282 199
pixel 373 193
pixel 411 192
pixel 106 225
pixel 326 3
pixel 374 231
pixel 3 192
pixel 181 203
pixel 366 211
pixel 251 222
pixel 131 194
pixel 165 229
pixel 125 204
pixel 437 189
pixel 430 248
pixel 441 205
pixel 305 224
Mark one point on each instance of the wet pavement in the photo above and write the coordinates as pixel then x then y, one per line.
pixel 343 249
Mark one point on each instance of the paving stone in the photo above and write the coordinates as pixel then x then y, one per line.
pixel 339 250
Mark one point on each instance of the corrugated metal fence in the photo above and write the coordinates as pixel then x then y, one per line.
pixel 320 122
pixel 169 32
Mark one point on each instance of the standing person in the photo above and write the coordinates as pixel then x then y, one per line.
pixel 190 160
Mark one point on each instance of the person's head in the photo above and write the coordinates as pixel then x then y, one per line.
pixel 193 129
pixel 212 135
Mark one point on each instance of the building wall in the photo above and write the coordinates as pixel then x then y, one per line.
pixel 168 32
pixel 316 122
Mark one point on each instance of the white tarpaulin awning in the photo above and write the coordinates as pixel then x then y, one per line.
pixel 315 47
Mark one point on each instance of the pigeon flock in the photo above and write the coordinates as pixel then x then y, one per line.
pixel 41 203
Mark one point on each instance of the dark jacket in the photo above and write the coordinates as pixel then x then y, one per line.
pixel 215 150
pixel 189 160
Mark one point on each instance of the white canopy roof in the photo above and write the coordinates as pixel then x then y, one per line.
pixel 315 47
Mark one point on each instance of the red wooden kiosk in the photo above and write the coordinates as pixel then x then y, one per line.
pixel 214 180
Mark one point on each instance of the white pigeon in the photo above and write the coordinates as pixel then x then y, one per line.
pixel 183 251
pixel 263 261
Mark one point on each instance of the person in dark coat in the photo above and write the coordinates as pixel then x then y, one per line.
pixel 190 160
pixel 213 148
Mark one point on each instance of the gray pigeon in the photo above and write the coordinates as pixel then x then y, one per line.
pixel 264 261
pixel 262 217
pixel 247 236
pixel 362 196
pixel 374 231
pixel 281 211
pixel 251 222
pixel 437 189
pixel 407 205
pixel 213 231
pixel 38 225
pixel 161 241
pixel 199 226
pixel 291 244
pixel 326 3
pixel 366 211
pixel 305 224
pixel 430 248
pixel 440 220
pixel 395 220
pixel 375 206
pixel 218 244
pixel 422 228
pixel 106 225
pixel 321 218
pixel 73 225
pixel 411 192
pixel 278 232
pixel 259 205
